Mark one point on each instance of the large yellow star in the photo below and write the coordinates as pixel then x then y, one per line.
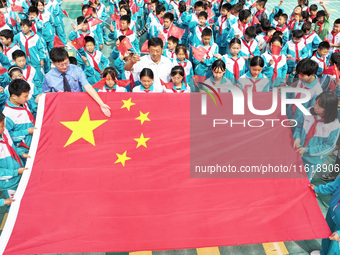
pixel 122 158
pixel 143 117
pixel 82 128
pixel 141 140
pixel 127 104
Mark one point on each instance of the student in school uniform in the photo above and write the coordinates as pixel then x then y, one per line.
pixel 218 81
pixel 12 165
pixel 222 29
pixel 110 83
pixel 125 30
pixel 334 37
pixel 6 37
pixel 312 40
pixel 254 80
pixel 282 26
pixel 262 43
pixel 58 22
pixel 157 22
pixel 296 50
pixel 170 51
pixel 125 10
pixel 47 32
pixel 31 44
pixel 29 73
pixel 320 57
pixel 249 46
pixel 203 67
pixel 306 70
pixel 196 29
pixel 315 135
pixel 145 83
pixel 177 84
pixel 261 11
pixel 243 23
pixel 94 62
pixel 183 21
pixel 182 60
pixel 168 20
pixel 321 27
pixel 91 18
pixel 275 62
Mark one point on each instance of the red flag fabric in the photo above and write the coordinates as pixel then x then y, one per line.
pixel 122 83
pixel 13 22
pixel 96 22
pixel 210 13
pixel 199 79
pixel 176 32
pixel 276 50
pixel 16 8
pixel 124 46
pixel 115 17
pixel 78 43
pixel 168 85
pixel 88 12
pixel 2 19
pixel 255 21
pixel 57 42
pixel 65 13
pixel 145 48
pixel 100 84
pixel 138 176
pixel 198 52
pixel 134 9
pixel 160 35
pixel 2 71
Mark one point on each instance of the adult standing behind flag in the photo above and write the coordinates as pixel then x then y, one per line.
pixel 69 78
pixel 160 65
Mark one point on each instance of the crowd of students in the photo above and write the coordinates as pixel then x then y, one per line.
pixel 190 45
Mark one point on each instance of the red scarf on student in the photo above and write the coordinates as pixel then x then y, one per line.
pixel 223 19
pixel 95 64
pixel 28 73
pixel 236 68
pixel 24 108
pixel 320 29
pixel 312 131
pixel 248 46
pixel 276 61
pixel 11 150
pixel 323 60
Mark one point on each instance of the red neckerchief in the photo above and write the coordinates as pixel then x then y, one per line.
pixel 11 150
pixel 323 60
pixel 308 36
pixel 127 33
pixel 254 84
pixel 242 27
pixel 312 131
pixel 334 35
pixel 267 38
pixel 34 29
pixel 236 68
pixel 201 29
pixel 223 19
pixel 312 17
pixel 248 46
pixel 258 13
pixel 320 29
pixel 95 64
pixel 40 16
pixel 6 49
pixel 176 91
pixel 276 61
pixel 26 43
pixel 172 53
pixel 28 73
pixel 112 90
pixel 183 65
pixel 296 50
pixel 24 108
pixel 132 81
pixel 207 54
pixel 281 29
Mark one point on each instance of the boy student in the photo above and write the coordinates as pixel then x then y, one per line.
pixel 168 20
pixel 313 9
pixel 29 72
pixel 67 77
pixel 170 51
pixel 244 18
pixel 94 62
pixel 93 28
pixel 282 26
pixel 264 26
pixel 6 37
pixel 82 31
pixel 196 29
pixel 125 30
pixel 312 40
pixel 11 164
pixel 320 57
pixel 261 12
pixel 31 44
pixel 321 27
pixel 157 22
pixel 296 50
pixel 19 119
pixel 221 28
pixel 249 46
pixel 198 7
pixel 334 37
pixel 203 67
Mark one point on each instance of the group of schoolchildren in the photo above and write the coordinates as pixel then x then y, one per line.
pixel 235 42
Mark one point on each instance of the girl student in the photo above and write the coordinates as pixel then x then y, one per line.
pixel 275 62
pixel 218 80
pixel 110 83
pixel 315 135
pixel 182 60
pixel 177 84
pixel 146 81
pixel 254 79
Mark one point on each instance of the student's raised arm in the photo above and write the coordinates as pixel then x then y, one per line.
pixel 130 63
pixel 325 8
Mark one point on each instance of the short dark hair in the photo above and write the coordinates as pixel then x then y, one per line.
pixel 257 61
pixel 305 15
pixel 58 54
pixel 321 13
pixel 26 22
pixel 265 24
pixel 111 71
pixel 278 33
pixel 73 60
pixel 121 38
pixel 177 70
pixel 89 39
pixel 81 19
pixel 2 116
pixel 237 7
pixel 156 41
pixel 250 31
pixel 226 6
pixel 126 18
pixel 297 34
pixel 180 47
pixel 284 15
pixel 244 14
pixel 307 67
pixel 169 16
pixel 173 39
pixel 233 41
pixel 276 39
pixel 203 14
pixel 306 27
pixel 18 86
pixel 219 63
pixel 7 33
pixel 85 6
pixel 337 21
pixel 324 45
pixel 329 101
pixel 13 69
pixel 261 2
pixel 160 8
pixel 17 54
pixel 199 4
pixel 206 32
pixel 313 7
pixel 146 72
pixel 33 9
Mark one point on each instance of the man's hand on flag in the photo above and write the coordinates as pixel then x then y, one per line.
pixel 106 110
pixel 312 186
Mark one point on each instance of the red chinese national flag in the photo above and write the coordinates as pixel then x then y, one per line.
pixel 88 12
pixel 65 13
pixel 16 8
pixel 57 42
pixel 145 48
pixel 198 52
pixel 255 21
pixel 139 167
pixel 100 84
pixel 115 17
pixel 134 9
pixel 124 46
pixel 96 22
pixel 210 13
pixel 13 22
pixel 2 71
pixel 122 83
pixel 2 19
pixel 78 43
pixel 168 85
pixel 176 32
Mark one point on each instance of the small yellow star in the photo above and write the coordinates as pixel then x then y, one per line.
pixel 83 128
pixel 141 140
pixel 122 158
pixel 127 104
pixel 143 117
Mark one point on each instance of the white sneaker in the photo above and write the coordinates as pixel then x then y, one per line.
pixel 315 253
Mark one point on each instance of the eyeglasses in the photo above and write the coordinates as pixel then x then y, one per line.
pixel 62 64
